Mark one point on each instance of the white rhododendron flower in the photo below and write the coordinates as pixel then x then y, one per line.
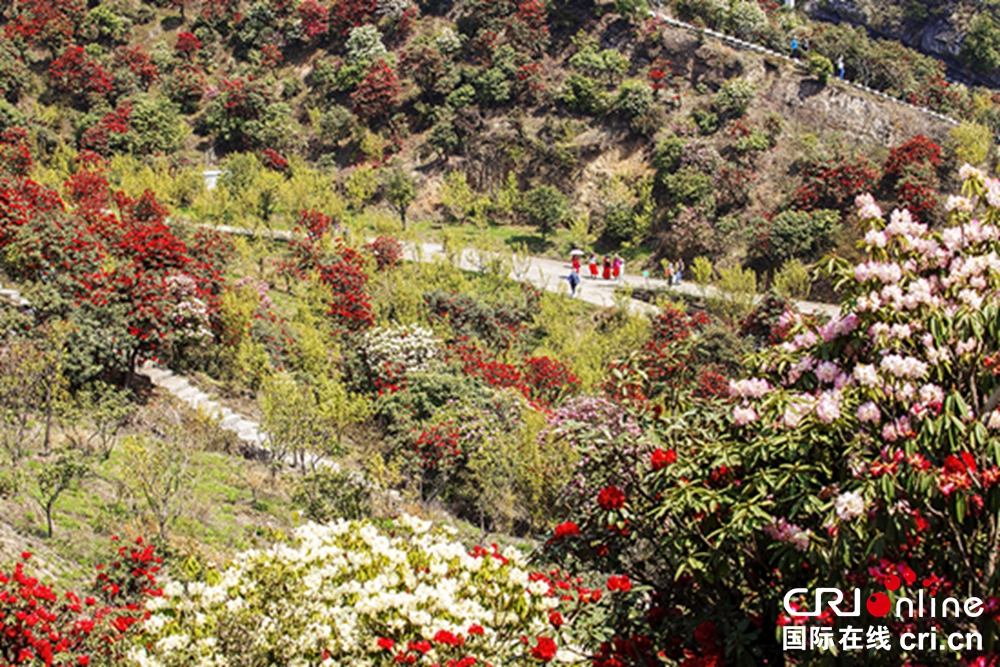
pixel 849 505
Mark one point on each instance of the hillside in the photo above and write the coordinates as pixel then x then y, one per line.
pixel 482 105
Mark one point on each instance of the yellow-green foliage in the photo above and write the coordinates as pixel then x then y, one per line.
pixel 245 362
pixel 361 186
pixel 793 280
pixel 176 188
pixel 508 197
pixel 568 333
pixel 310 189
pixel 735 295
pixel 456 195
pixel 972 142
pixel 58 168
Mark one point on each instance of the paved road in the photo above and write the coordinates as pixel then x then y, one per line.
pixel 548 274
pixel 551 274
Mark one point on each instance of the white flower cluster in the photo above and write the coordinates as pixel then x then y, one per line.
pixel 410 348
pixel 364 45
pixel 339 592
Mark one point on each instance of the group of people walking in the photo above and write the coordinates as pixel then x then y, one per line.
pixel 612 268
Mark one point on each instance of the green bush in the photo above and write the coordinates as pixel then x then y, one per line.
pixel 820 66
pixel 584 95
pixel 971 142
pixel 326 495
pixel 707 122
pixel 746 20
pixel 733 98
pixel 634 98
pixel 334 124
pixel 156 126
pixel 981 48
pixel 545 207
pixel 463 96
pixel 791 234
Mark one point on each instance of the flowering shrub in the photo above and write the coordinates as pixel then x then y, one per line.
pixel 273 160
pixel 375 96
pixel 42 627
pixel 44 23
pixel 911 172
pixel 245 113
pixel 408 349
pixel 548 380
pixel 108 134
pixel 315 19
pixel 185 86
pixel 864 446
pixel 78 74
pixel 187 45
pixel 387 251
pixel 835 182
pixel 350 594
pixel 350 305
pixel 139 66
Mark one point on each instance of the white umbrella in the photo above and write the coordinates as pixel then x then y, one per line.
pixel 576 251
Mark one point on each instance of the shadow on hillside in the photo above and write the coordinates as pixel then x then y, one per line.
pixel 534 244
pixel 169 23
pixel 810 87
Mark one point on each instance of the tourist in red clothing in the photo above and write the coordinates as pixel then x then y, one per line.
pixel 593 266
pixel 607 268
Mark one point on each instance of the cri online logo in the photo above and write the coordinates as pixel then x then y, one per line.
pixel 879 604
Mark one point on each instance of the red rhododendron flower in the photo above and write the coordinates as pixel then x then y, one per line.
pixel 661 459
pixel 622 583
pixel 545 650
pixel 611 498
pixel 386 643
pixel 567 529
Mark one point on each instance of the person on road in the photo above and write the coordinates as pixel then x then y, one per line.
pixel 593 266
pixel 576 264
pixel 607 268
pixel 574 282
pixel 616 266
pixel 678 272
pixel 795 48
pixel 840 67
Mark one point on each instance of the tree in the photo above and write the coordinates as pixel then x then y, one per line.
pixel 981 48
pixel 55 475
pixel 160 472
pixel 545 207
pixel 400 191
pixel 375 96
pixel 302 418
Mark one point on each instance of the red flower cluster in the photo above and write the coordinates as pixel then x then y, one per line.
pixel 44 22
pixel 77 73
pixel 99 138
pixel 138 63
pixel 387 251
pixel 835 183
pixel 611 498
pixel 661 459
pixel 315 19
pixel 622 583
pixel 187 45
pixel 439 446
pixel 273 160
pixel 38 624
pixel 375 96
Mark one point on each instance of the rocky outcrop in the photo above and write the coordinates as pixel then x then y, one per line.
pixel 932 27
